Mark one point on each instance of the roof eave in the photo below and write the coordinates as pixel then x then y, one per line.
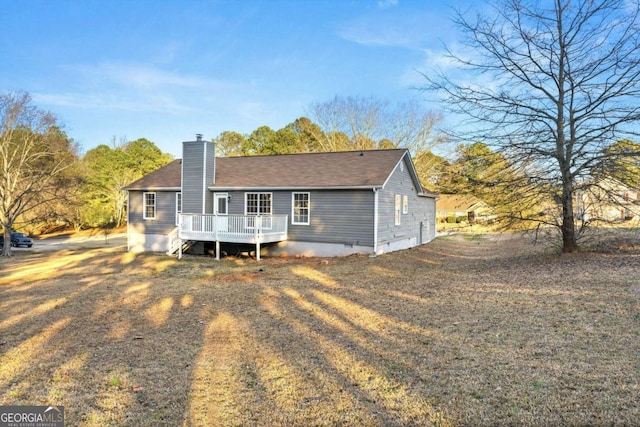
pixel 428 194
pixel 286 188
pixel 152 188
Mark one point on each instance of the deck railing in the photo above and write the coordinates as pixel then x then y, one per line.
pixel 174 242
pixel 234 228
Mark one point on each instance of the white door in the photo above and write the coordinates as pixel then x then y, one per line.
pixel 221 210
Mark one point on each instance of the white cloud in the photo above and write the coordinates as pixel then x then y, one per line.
pixel 386 4
pixel 134 75
pixel 113 101
pixel 133 87
pixel 362 34
pixel 397 28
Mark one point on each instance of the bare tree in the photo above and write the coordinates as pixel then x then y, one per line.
pixel 551 87
pixel 370 123
pixel 33 155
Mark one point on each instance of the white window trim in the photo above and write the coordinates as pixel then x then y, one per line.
pixel 144 205
pixel 217 196
pixel 398 209
pixel 293 208
pixel 178 211
pixel 405 204
pixel 246 199
pixel 266 224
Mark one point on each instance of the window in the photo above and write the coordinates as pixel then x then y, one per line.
pixel 405 204
pixel 178 207
pixel 300 209
pixel 149 205
pixel 397 208
pixel 258 204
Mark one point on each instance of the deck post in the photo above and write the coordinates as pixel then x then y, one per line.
pixel 258 250
pixel 218 250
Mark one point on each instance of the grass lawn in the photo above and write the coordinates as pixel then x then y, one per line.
pixel 460 332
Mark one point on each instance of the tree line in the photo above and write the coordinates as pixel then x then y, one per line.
pixel 48 184
pixel 546 96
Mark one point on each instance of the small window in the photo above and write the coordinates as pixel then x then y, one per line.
pixel 405 204
pixel 149 205
pixel 300 209
pixel 178 207
pixel 398 208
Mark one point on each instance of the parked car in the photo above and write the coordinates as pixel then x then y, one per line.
pixel 20 239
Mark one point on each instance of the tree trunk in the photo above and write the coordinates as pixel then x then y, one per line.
pixel 6 237
pixel 568 228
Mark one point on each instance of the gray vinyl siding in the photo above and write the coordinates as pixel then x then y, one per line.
pixel 236 204
pixel 165 220
pixel 421 209
pixel 336 216
pixel 210 175
pixel 192 185
pixel 194 163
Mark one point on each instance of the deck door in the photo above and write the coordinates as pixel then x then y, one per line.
pixel 221 210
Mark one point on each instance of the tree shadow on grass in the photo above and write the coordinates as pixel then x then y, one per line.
pixel 402 339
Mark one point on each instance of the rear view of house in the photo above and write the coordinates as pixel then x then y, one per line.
pixel 311 204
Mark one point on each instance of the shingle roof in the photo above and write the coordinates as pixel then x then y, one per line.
pixel 369 168
pixel 342 169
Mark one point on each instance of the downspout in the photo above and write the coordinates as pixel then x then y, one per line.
pixel 375 221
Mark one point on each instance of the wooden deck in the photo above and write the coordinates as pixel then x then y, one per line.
pixel 250 229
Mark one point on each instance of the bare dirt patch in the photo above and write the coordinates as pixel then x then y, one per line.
pixel 467 330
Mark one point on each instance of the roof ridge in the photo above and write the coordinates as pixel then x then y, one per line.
pixel 314 153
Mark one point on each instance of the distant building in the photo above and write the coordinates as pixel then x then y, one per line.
pixel 607 200
pixel 463 206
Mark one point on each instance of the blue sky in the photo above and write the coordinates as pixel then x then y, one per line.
pixel 168 69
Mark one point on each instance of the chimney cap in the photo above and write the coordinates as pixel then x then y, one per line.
pixel 198 137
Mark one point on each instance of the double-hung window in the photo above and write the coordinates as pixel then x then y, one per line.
pixel 300 209
pixel 149 205
pixel 398 208
pixel 258 204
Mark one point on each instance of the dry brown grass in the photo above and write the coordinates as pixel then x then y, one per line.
pixel 480 330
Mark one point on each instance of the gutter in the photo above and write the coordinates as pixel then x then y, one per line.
pixel 152 188
pixel 275 188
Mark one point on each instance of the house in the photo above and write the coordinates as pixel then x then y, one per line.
pixel 607 200
pixel 466 207
pixel 311 204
